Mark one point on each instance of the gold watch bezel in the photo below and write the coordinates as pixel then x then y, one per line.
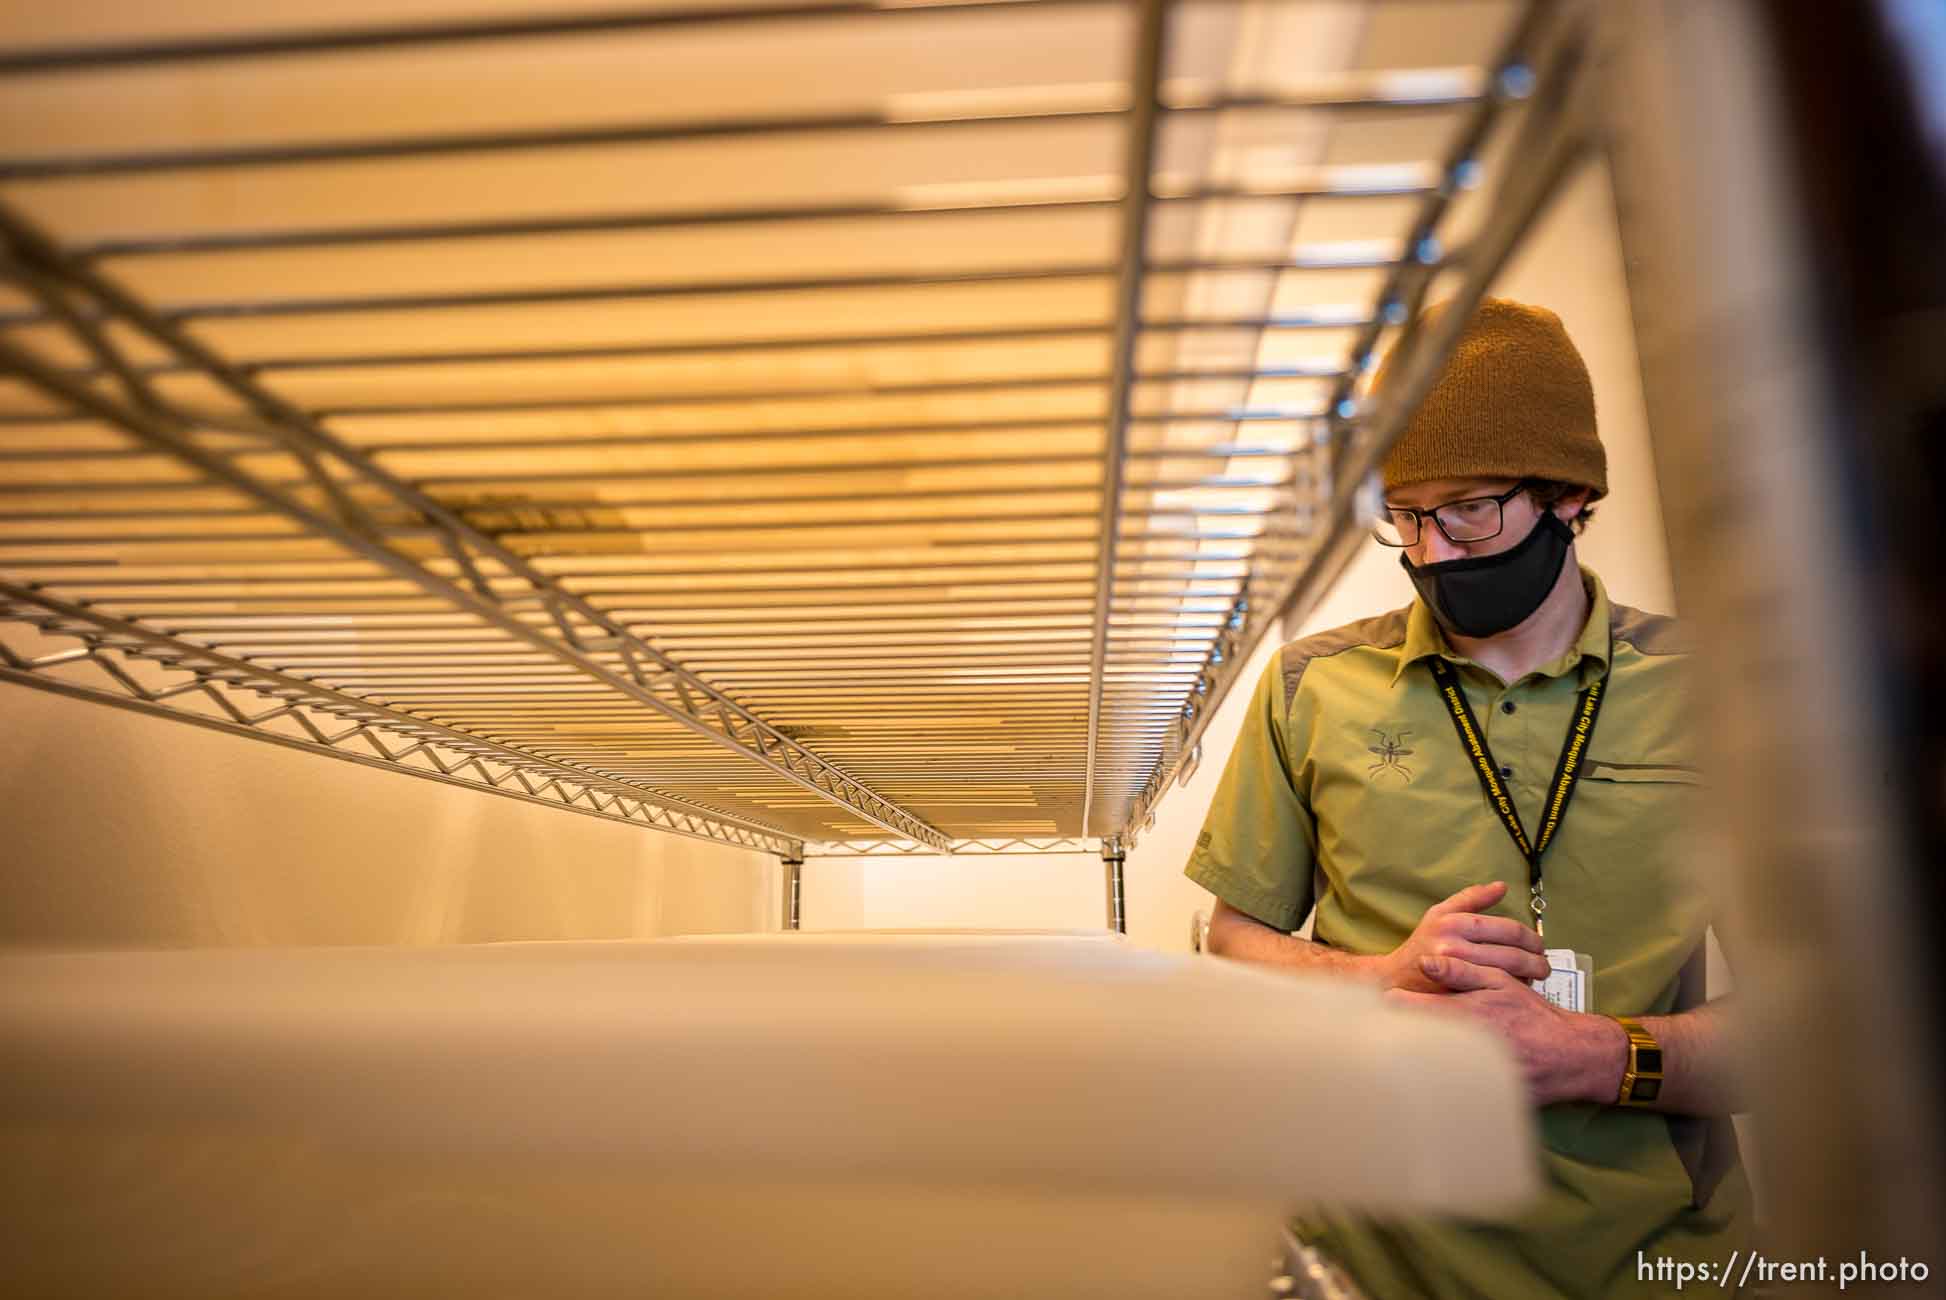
pixel 1642 1074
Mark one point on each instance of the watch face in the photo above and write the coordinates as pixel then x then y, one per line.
pixel 1644 1089
pixel 1648 1060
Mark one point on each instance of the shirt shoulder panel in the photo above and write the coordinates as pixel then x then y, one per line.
pixel 1650 634
pixel 1381 632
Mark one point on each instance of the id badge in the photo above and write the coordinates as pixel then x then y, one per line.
pixel 1570 982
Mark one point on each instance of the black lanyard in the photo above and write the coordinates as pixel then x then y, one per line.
pixel 1567 772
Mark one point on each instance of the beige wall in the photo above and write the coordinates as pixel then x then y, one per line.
pixel 128 830
pixel 1056 891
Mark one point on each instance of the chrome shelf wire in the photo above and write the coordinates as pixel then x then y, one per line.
pixel 902 459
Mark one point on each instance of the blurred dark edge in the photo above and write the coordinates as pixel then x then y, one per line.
pixel 1782 205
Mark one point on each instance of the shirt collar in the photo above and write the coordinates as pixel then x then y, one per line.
pixel 1589 654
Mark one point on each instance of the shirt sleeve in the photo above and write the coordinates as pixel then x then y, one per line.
pixel 1259 841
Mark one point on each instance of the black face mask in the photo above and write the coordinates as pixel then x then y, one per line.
pixel 1484 595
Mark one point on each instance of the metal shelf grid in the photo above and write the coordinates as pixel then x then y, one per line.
pixel 885 427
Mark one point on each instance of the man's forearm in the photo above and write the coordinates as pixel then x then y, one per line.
pixel 1700 1066
pixel 1699 1073
pixel 1234 935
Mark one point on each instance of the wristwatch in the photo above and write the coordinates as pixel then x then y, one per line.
pixel 1642 1076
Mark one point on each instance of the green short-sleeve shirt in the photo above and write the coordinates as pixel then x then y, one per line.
pixel 1348 792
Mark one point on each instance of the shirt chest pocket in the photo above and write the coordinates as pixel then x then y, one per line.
pixel 1641 810
pixel 1647 774
pixel 1623 880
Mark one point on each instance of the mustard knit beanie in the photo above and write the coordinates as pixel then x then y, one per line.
pixel 1514 401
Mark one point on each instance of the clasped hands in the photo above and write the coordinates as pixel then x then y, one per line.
pixel 1461 961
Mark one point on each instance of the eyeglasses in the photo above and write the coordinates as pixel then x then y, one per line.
pixel 1475 519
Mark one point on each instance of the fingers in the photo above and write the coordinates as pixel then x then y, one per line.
pixel 1459 976
pixel 1497 929
pixel 1474 898
pixel 1463 915
pixel 1517 962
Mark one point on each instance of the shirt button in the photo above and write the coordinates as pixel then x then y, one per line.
pixel 1507 772
pixel 1508 707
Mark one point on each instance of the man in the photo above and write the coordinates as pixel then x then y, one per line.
pixel 1508 755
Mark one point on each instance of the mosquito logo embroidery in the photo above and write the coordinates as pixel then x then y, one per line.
pixel 1390 749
